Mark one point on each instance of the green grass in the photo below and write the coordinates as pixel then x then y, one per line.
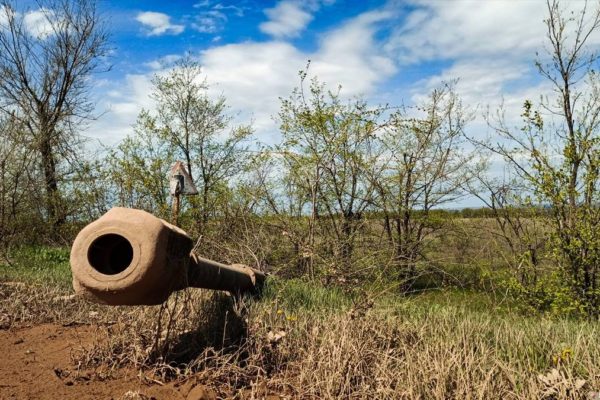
pixel 45 265
pixel 299 295
pixel 50 265
pixel 469 299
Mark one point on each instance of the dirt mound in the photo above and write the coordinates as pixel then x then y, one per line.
pixel 37 363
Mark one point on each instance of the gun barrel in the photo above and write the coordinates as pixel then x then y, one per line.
pixel 209 274
pixel 130 257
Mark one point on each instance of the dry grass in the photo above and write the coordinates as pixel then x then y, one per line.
pixel 24 304
pixel 450 353
pixel 309 342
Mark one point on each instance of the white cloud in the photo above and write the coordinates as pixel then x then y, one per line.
pixel 487 87
pixel 471 28
pixel 201 4
pixel 351 56
pixel 238 11
pixel 212 16
pixel 464 28
pixel 39 23
pixel 490 47
pixel 163 62
pixel 286 19
pixel 119 107
pixel 211 21
pixel 158 23
pixel 479 81
pixel 253 75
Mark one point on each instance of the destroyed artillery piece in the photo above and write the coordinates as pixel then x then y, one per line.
pixel 130 257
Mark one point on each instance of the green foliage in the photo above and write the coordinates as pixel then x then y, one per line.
pixel 556 156
pixel 550 294
pixel 39 265
pixel 188 125
pixel 200 132
pixel 329 151
pixel 423 166
pixel 137 169
pixel 295 295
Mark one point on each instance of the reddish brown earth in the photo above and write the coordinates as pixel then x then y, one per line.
pixel 36 363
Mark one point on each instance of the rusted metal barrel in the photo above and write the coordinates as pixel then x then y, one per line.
pixel 130 257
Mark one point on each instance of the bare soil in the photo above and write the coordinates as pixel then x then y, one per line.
pixel 36 363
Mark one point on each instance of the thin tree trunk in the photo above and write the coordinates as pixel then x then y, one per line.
pixel 205 206
pixel 55 214
pixel 347 248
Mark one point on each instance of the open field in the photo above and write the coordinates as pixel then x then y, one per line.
pixel 327 197
pixel 299 341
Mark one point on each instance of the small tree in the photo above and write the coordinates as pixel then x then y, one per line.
pixel 520 226
pixel 137 170
pixel 425 166
pixel 329 147
pixel 199 131
pixel 557 152
pixel 44 80
pixel 16 183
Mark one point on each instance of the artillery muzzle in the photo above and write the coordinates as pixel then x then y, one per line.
pixel 130 257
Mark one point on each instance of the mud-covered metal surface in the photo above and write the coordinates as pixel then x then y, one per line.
pixel 130 257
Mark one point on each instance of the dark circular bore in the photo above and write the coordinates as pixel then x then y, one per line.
pixel 110 254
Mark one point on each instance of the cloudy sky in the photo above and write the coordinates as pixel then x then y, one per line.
pixel 389 51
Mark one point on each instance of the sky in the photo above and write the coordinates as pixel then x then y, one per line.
pixel 390 52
